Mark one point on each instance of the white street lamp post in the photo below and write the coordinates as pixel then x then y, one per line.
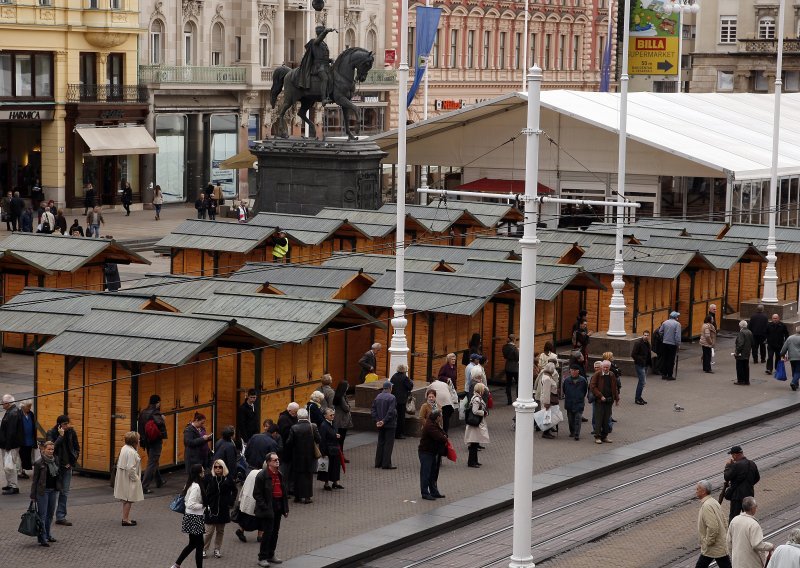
pixel 616 319
pixel 770 273
pixel 525 70
pixel 398 350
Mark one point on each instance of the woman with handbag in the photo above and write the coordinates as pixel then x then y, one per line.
pixel 329 447
pixel 192 524
pixel 220 494
pixel 45 485
pixel 475 435
pixel 128 478
pixel 432 444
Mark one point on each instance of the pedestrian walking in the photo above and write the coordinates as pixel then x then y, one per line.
pixel 48 223
pixel 384 414
pixel 745 543
pixel 269 440
pixel 271 505
pixel 286 420
pixel 741 475
pixel 220 494
pixel 642 357
pixel 158 201
pixel 511 356
pixel 28 438
pixel 195 442
pixel 791 351
pixel 777 334
pixel 12 437
pixel 17 206
pixel 128 477
pixel 580 340
pixel 742 348
pixel 225 450
pixel 327 391
pixel 5 206
pixel 94 219
pixel 604 389
pixel 211 207
pixel 242 212
pixel 245 507
pixel 343 418
pixel 448 369
pixel 314 407
pixel 89 198
pixel 368 362
pixel 432 444
pixel 329 447
pixel 712 528
pixel 45 485
pixel 475 436
pixel 300 447
pixel 575 388
pixel 548 393
pixel 708 339
pixel 127 197
pixel 193 522
pixel 152 433
pixel 67 451
pixel 247 417
pixel 670 332
pixel 401 389
pixel 758 327
pixel 200 206
pixel 787 555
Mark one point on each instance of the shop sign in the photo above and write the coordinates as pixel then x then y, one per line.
pixel 654 39
pixel 389 56
pixel 26 115
pixel 449 105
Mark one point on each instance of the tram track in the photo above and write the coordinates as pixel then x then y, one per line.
pixel 549 545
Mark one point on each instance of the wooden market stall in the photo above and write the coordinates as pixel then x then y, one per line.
pixel 306 281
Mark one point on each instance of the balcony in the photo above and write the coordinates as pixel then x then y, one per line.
pixel 768 46
pixel 381 77
pixel 180 75
pixel 106 94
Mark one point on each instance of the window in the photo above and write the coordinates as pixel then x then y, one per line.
pixel 23 76
pixel 601 48
pixel 576 52
pixel 453 48
pixel 114 74
pixel 238 47
pixel 156 37
pixel 532 59
pixel 791 81
pixel 6 82
pixel 45 3
pixel 727 29
pixel 766 28
pixel 263 46
pixel 217 44
pixel 93 4
pixel 372 41
pixel 115 4
pixel 689 32
pixel 760 83
pixel 470 49
pixel 188 44
pixel 433 61
pixel 724 81
pixel 411 53
pixel 88 69
pixel 26 75
pixel 349 39
pixel 43 85
pixel 517 50
pixel 562 43
pixel 502 49
pixel 487 39
pixel 548 40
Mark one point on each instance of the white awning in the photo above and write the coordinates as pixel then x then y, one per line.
pixel 118 141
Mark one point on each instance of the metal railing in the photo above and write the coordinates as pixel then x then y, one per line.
pixel 381 77
pixel 150 74
pixel 769 45
pixel 106 94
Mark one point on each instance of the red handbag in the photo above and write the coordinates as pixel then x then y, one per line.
pixel 490 401
pixel 451 452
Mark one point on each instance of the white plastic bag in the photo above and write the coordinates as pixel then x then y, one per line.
pixel 323 463
pixel 462 409
pixel 8 461
pixel 555 417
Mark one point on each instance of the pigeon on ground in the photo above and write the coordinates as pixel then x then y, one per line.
pixel 677 407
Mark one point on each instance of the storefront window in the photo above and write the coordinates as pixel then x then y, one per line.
pixel 24 76
pixel 223 146
pixel 171 157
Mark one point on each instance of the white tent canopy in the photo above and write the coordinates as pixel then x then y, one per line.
pixel 686 134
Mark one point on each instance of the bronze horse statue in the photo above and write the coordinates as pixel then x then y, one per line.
pixel 350 68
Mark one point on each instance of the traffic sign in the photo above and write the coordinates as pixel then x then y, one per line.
pixel 653 56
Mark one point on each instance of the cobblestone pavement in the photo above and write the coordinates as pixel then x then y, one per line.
pixel 372 498
pixel 670 539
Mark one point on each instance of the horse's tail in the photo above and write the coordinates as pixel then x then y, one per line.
pixel 277 83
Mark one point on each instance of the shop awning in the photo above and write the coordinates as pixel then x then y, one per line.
pixel 118 141
pixel 242 160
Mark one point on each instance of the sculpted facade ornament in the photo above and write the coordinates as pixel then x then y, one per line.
pixel 157 13
pixel 119 17
pixel 266 13
pixel 8 13
pixel 47 15
pixel 191 8
pixel 105 39
pixel 351 18
pixel 321 18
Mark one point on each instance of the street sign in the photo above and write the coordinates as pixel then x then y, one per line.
pixel 654 44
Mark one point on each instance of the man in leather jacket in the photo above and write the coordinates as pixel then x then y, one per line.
pixel 741 474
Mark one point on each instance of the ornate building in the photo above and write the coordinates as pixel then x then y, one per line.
pixel 208 68
pixel 71 112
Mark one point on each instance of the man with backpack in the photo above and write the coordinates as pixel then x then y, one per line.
pixel 152 431
pixel 48 222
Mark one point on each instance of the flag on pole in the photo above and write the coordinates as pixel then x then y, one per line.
pixel 427 23
pixel 605 66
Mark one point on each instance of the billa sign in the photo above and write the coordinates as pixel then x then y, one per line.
pixel 654 44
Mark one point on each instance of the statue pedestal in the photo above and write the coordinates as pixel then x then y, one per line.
pixel 303 176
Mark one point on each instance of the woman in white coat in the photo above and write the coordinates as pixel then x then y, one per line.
pixel 477 435
pixel 128 477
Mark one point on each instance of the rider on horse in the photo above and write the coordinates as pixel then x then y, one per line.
pixel 317 61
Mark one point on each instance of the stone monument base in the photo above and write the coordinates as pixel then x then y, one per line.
pixel 619 346
pixel 786 309
pixel 366 393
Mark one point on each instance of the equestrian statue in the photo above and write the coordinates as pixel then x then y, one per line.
pixel 319 79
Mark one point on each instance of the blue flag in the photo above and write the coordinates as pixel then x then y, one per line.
pixel 605 70
pixel 427 23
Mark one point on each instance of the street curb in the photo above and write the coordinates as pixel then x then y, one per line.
pixel 465 511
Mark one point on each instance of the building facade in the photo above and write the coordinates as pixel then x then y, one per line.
pixel 68 97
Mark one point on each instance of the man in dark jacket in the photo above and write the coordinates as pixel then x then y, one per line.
pixel 300 447
pixel 777 334
pixel 152 442
pixel 286 420
pixel 575 387
pixel 67 452
pixel 195 442
pixel 511 355
pixel 225 450
pixel 384 413
pixel 401 388
pixel 604 388
pixel 12 437
pixel 758 327
pixel 742 348
pixel 740 475
pixel 200 205
pixel 247 417
pixel 262 444
pixel 17 206
pixel 642 357
pixel 272 503
pixel 368 362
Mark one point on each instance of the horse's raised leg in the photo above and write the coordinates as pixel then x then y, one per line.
pixel 282 130
pixel 347 108
pixel 305 106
